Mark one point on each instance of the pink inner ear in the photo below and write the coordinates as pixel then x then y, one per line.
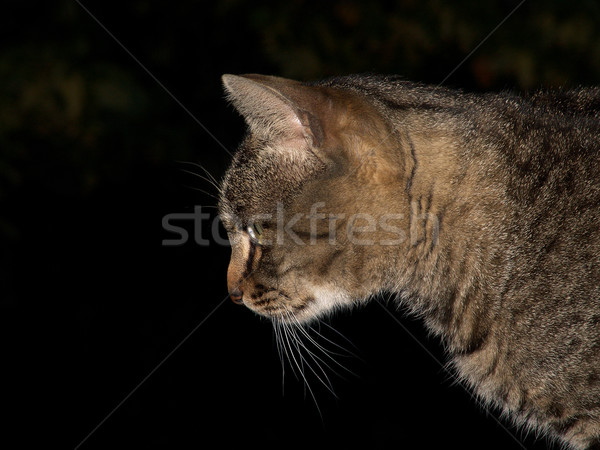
pixel 311 127
pixel 271 109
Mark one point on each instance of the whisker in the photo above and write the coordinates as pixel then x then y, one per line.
pixel 325 351
pixel 208 180
pixel 344 338
pixel 289 354
pixel 315 343
pixel 306 356
pixel 300 361
pixel 277 335
pixel 200 166
pixel 315 358
pixel 204 192
pixel 306 383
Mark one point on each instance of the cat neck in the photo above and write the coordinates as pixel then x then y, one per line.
pixel 453 246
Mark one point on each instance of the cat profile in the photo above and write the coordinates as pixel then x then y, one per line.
pixel 479 212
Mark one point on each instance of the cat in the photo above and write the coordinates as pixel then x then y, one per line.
pixel 479 212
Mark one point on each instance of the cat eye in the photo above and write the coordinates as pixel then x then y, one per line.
pixel 255 232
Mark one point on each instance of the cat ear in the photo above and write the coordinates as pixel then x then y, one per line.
pixel 276 108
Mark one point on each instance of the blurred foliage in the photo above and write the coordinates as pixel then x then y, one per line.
pixel 77 113
pixel 550 43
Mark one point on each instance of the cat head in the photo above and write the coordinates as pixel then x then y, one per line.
pixel 310 201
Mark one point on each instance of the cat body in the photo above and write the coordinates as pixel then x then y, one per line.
pixel 481 213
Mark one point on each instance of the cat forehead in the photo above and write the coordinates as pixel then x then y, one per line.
pixel 261 175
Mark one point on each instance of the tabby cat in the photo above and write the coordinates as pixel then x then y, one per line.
pixel 479 212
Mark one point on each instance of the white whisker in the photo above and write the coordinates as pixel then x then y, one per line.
pixel 344 338
pixel 324 350
pixel 278 342
pixel 212 180
pixel 288 335
pixel 208 180
pixel 204 192
pixel 288 353
pixel 299 345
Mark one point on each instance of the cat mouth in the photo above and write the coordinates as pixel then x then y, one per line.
pixel 280 308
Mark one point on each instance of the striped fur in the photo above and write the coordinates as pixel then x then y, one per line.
pixel 492 203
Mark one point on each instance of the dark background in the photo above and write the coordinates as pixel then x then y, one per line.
pixel 90 162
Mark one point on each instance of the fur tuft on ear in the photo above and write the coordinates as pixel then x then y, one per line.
pixel 275 108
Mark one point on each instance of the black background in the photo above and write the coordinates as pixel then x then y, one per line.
pixel 101 319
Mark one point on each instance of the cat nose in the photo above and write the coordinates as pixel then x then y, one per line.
pixel 236 296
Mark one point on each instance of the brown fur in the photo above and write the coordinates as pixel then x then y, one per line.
pixel 491 204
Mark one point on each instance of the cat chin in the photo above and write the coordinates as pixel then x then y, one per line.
pixel 324 300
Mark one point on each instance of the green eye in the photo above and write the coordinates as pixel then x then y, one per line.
pixel 255 231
